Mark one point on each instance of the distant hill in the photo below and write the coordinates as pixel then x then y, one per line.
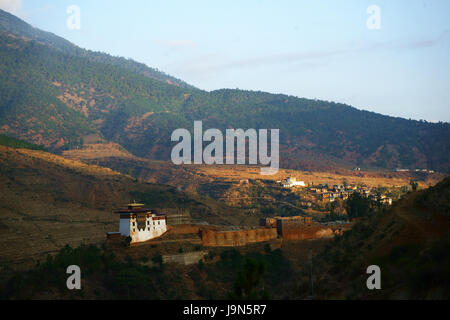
pixel 55 94
pixel 14 26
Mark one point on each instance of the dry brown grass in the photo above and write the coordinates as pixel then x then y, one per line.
pixel 371 179
pixel 190 176
pixel 48 201
pixel 96 151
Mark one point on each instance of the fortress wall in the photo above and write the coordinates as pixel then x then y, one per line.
pixel 214 238
pixel 290 230
pixel 189 229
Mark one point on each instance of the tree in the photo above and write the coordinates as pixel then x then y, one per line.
pixel 158 259
pixel 249 279
pixel 338 207
pixel 414 185
pixel 357 205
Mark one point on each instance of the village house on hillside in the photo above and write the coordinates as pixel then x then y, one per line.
pixel 292 182
pixel 324 192
pixel 140 224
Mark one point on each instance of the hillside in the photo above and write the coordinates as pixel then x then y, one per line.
pixel 56 94
pixel 47 201
pixel 13 26
pixel 18 144
pixel 409 242
pixel 242 186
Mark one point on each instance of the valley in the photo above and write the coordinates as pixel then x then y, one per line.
pixel 86 179
pixel 244 187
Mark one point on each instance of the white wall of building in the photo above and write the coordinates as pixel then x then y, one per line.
pixel 154 228
pixel 292 182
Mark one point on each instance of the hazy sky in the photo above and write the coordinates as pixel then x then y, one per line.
pixel 313 48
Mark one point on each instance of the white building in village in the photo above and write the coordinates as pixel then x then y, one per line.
pixel 292 182
pixel 141 224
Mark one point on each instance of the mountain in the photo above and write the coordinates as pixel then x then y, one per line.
pixel 56 94
pixel 13 26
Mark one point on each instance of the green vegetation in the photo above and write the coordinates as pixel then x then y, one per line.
pixel 358 206
pixel 254 275
pixel 105 276
pixel 53 89
pixel 414 185
pixel 13 25
pixel 248 281
pixel 18 144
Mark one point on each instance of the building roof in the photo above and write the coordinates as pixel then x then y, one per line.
pixel 141 210
pixel 134 204
pixel 135 210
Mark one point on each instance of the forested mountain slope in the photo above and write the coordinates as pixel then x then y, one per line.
pixel 55 94
pixel 12 25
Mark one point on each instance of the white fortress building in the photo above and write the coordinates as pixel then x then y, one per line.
pixel 141 224
pixel 292 182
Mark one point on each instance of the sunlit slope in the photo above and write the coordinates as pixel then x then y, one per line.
pixel 47 201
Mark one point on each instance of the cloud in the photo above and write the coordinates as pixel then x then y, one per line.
pixel 12 6
pixel 217 63
pixel 402 45
pixel 177 44
pixel 208 64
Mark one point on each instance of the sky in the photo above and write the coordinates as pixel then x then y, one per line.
pixel 390 57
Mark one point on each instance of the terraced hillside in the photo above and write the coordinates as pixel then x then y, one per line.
pixel 47 201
